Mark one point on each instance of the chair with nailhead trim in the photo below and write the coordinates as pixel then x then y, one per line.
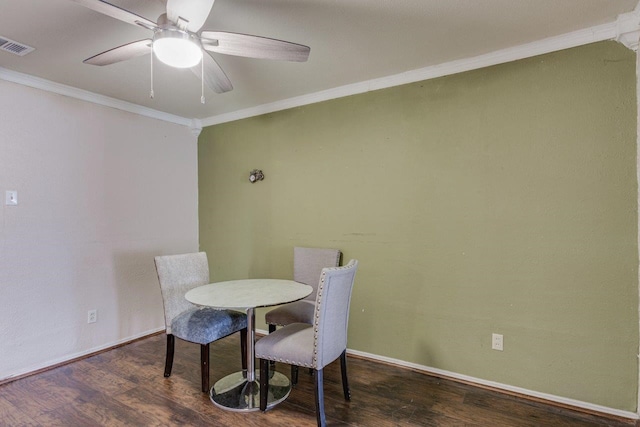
pixel 314 346
pixel 307 266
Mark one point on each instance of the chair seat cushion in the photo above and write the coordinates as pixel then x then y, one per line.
pixel 295 312
pixel 205 325
pixel 292 344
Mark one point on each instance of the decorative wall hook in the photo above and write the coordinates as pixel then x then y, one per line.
pixel 256 175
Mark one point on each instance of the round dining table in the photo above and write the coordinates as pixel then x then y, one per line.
pixel 240 391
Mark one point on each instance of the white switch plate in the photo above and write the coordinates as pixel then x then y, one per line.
pixel 11 198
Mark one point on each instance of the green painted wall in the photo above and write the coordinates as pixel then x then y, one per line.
pixel 498 200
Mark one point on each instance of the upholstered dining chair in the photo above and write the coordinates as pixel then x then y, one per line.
pixel 307 266
pixel 317 345
pixel 178 274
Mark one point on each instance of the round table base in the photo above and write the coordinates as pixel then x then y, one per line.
pixel 235 393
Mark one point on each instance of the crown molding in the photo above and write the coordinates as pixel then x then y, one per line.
pixel 72 92
pixel 625 29
pixel 195 126
pixel 628 29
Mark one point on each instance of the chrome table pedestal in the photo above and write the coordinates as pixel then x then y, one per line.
pixel 235 393
pixel 240 391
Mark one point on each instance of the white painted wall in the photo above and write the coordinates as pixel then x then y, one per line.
pixel 100 193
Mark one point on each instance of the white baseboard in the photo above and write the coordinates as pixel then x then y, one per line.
pixel 492 384
pixel 422 368
pixel 522 391
pixel 73 356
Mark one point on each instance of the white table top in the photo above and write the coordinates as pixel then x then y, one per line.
pixel 248 293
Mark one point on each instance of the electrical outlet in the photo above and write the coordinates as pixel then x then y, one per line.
pixel 496 342
pixel 92 316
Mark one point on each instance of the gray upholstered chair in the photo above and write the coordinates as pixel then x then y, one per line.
pixel 314 346
pixel 178 274
pixel 307 266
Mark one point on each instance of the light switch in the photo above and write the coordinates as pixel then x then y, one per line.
pixel 11 198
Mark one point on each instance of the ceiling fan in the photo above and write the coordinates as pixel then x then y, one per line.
pixel 179 42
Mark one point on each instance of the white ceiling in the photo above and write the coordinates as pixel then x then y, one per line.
pixel 351 41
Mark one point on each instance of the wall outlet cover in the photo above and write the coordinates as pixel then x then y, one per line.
pixel 497 342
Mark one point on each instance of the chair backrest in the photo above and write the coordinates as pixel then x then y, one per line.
pixel 178 274
pixel 331 317
pixel 308 264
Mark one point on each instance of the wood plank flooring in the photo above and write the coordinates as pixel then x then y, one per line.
pixel 126 387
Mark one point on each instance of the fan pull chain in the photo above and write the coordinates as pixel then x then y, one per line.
pixel 151 93
pixel 202 80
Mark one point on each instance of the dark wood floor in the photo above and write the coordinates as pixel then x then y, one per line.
pixel 125 386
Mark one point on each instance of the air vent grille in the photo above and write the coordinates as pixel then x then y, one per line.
pixel 14 47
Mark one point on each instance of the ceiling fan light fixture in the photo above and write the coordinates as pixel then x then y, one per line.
pixel 176 48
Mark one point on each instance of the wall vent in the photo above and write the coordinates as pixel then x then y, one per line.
pixel 14 47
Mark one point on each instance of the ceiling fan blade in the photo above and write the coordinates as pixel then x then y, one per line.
pixel 195 12
pixel 116 12
pixel 254 46
pixel 121 53
pixel 214 76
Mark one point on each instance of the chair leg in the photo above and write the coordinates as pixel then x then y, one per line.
pixel 168 363
pixel 243 348
pixel 264 383
pixel 322 421
pixel 204 366
pixel 294 375
pixel 272 329
pixel 345 381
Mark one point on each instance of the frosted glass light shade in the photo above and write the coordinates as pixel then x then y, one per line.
pixel 175 48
